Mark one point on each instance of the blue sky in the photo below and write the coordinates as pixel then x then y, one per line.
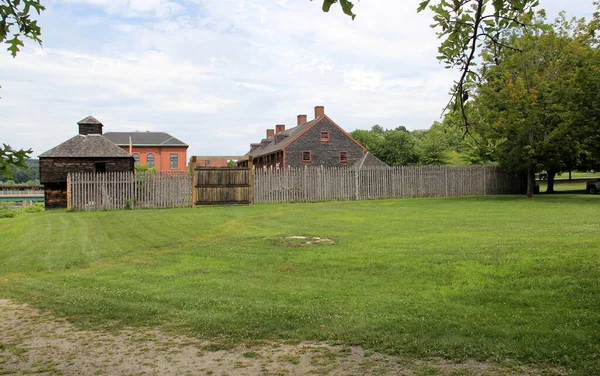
pixel 217 73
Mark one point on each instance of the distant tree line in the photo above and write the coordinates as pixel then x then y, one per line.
pixel 28 175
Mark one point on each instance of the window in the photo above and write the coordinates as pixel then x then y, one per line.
pixel 136 158
pixel 100 167
pixel 173 161
pixel 306 157
pixel 325 136
pixel 150 160
pixel 343 156
pixel 207 162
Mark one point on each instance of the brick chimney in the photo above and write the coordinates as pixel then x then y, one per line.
pixel 319 111
pixel 279 128
pixel 301 119
pixel 90 125
pixel 270 132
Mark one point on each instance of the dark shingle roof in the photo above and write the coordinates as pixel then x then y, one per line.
pixel 291 135
pixel 369 160
pixel 89 120
pixel 143 139
pixel 81 146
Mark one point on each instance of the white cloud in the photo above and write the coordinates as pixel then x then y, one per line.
pixel 217 73
pixel 133 8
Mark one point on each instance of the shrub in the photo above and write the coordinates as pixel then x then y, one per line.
pixel 35 208
pixel 6 213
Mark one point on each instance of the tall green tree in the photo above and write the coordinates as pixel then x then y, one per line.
pixel 531 100
pixel 399 147
pixel 432 145
pixel 373 140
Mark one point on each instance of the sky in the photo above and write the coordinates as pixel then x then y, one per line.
pixel 217 73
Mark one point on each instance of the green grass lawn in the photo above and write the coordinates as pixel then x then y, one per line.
pixel 498 278
pixel 578 175
pixel 561 184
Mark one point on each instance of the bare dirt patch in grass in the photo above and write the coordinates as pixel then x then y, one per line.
pixel 34 343
pixel 302 241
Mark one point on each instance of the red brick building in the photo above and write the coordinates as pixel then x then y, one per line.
pixel 155 149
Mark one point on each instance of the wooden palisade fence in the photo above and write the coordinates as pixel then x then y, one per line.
pixel 222 185
pixel 128 190
pixel 210 186
pixel 327 184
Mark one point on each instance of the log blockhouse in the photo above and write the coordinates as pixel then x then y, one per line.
pixel 89 151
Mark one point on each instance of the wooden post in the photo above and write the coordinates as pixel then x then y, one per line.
pixel 446 173
pixel 194 182
pixel 251 181
pixel 69 191
pixel 357 196
pixel 484 181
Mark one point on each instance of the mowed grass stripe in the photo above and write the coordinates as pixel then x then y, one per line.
pixel 490 278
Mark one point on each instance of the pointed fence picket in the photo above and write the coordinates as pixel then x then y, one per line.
pixel 328 184
pixel 127 190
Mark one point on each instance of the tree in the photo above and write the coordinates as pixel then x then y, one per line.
pixel 396 147
pixel 29 175
pixel 16 22
pixel 464 26
pixel 11 158
pixel 15 25
pixel 432 145
pixel 143 169
pixel 372 140
pixel 530 105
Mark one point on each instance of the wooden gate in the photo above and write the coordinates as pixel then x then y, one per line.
pixel 223 185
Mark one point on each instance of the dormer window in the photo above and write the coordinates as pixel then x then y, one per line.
pixel 324 136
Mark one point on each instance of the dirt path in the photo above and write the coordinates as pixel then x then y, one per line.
pixel 33 343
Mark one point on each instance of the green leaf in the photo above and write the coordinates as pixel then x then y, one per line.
pixel 14 45
pixel 345 4
pixel 327 4
pixel 347 8
pixel 423 5
pixel 10 157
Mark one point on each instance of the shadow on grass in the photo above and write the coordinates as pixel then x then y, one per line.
pixel 571 192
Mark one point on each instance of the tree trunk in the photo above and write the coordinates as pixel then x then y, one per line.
pixel 530 182
pixel 530 170
pixel 551 176
pixel 569 174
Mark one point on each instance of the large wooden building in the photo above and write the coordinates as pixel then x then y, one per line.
pixel 319 142
pixel 89 151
